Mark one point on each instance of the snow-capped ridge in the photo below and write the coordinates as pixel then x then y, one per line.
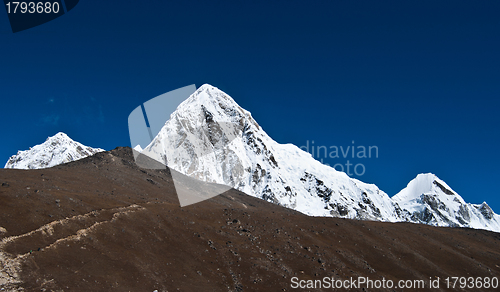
pixel 56 150
pixel 211 138
pixel 429 200
pixel 485 210
pixel 424 182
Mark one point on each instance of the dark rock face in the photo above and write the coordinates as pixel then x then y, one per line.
pixel 103 224
pixel 444 189
pixel 425 216
pixel 464 214
pixel 486 211
pixel 433 203
pixel 318 187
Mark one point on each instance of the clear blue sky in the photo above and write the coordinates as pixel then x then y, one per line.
pixel 418 79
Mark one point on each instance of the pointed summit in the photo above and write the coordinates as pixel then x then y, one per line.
pixel 210 94
pixel 423 183
pixel 56 150
pixel 429 200
pixel 213 104
pixel 206 122
pixel 211 138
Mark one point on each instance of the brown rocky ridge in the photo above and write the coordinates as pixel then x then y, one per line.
pixel 104 224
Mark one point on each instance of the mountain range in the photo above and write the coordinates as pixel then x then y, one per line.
pixel 102 223
pixel 195 142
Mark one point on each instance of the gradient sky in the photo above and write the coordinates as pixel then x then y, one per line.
pixel 418 79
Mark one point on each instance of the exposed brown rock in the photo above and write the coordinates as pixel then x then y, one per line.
pixel 103 224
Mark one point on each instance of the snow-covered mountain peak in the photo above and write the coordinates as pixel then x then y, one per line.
pixel 213 105
pixel 427 199
pixel 56 150
pixel 59 135
pixel 206 94
pixel 210 137
pixel 424 183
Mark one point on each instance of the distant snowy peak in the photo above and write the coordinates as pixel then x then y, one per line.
pixel 56 150
pixel 424 183
pixel 429 200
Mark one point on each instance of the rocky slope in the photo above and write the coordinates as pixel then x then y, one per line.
pixel 103 224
